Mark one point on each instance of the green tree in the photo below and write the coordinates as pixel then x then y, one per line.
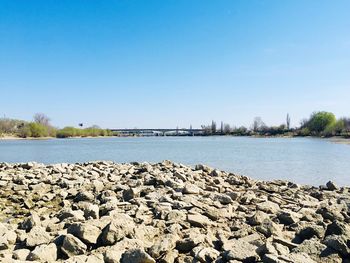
pixel 319 121
pixel 38 130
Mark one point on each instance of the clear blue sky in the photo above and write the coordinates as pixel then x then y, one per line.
pixel 173 63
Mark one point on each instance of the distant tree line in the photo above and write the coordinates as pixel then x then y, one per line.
pixel 319 123
pixel 41 127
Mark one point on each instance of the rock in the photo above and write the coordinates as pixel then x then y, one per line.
pixel 7 237
pixel 269 228
pixel 288 218
pixel 120 227
pixel 223 199
pixel 338 243
pixel 21 254
pixel 198 220
pixel 191 189
pixel 71 215
pixel 84 196
pixel 166 212
pixel 258 218
pixel 192 237
pixel 268 207
pixel 331 186
pixel 37 236
pixel 114 253
pixel 91 211
pixel 236 249
pixel 317 251
pixel 310 231
pixel 131 193
pixel 44 253
pixel 31 221
pixel 169 256
pixel 166 243
pixel 86 232
pixel 136 256
pixel 205 254
pixel 72 246
pixel 337 228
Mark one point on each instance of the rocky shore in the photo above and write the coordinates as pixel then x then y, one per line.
pixel 166 212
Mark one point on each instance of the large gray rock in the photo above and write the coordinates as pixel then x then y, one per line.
pixel 21 254
pixel 121 226
pixel 37 236
pixel 205 254
pixel 191 189
pixel 166 243
pixel 338 243
pixel 44 253
pixel 86 231
pixel 136 256
pixel 198 220
pixel 72 246
pixel 236 249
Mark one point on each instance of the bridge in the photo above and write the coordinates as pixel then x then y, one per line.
pixel 158 132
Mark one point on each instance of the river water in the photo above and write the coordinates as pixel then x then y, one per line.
pixel 301 160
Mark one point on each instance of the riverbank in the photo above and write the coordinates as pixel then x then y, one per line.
pixel 166 212
pixel 334 139
pixel 50 138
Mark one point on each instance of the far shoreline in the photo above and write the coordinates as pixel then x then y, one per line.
pixel 334 139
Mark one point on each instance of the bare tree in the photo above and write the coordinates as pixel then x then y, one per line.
pixel 206 129
pixel 41 118
pixel 227 128
pixel 258 124
pixel 213 127
pixel 288 121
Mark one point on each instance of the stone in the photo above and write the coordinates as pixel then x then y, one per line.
pixel 37 236
pixel 86 232
pixel 338 243
pixel 21 254
pixel 269 228
pixel 288 218
pixel 337 228
pixel 31 221
pixel 136 256
pixel 114 253
pixel 7 238
pixel 91 211
pixel 71 215
pixel 84 196
pixel 331 186
pixel 223 199
pixel 205 254
pixel 131 193
pixel 44 253
pixel 258 218
pixel 198 220
pixel 191 189
pixel 268 207
pixel 166 243
pixel 236 249
pixel 120 227
pixel 310 231
pixel 72 246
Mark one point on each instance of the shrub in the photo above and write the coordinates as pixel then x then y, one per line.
pixel 319 121
pixel 38 130
pixel 24 131
pixel 336 128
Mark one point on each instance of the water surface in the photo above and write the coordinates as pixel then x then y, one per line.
pixel 301 160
